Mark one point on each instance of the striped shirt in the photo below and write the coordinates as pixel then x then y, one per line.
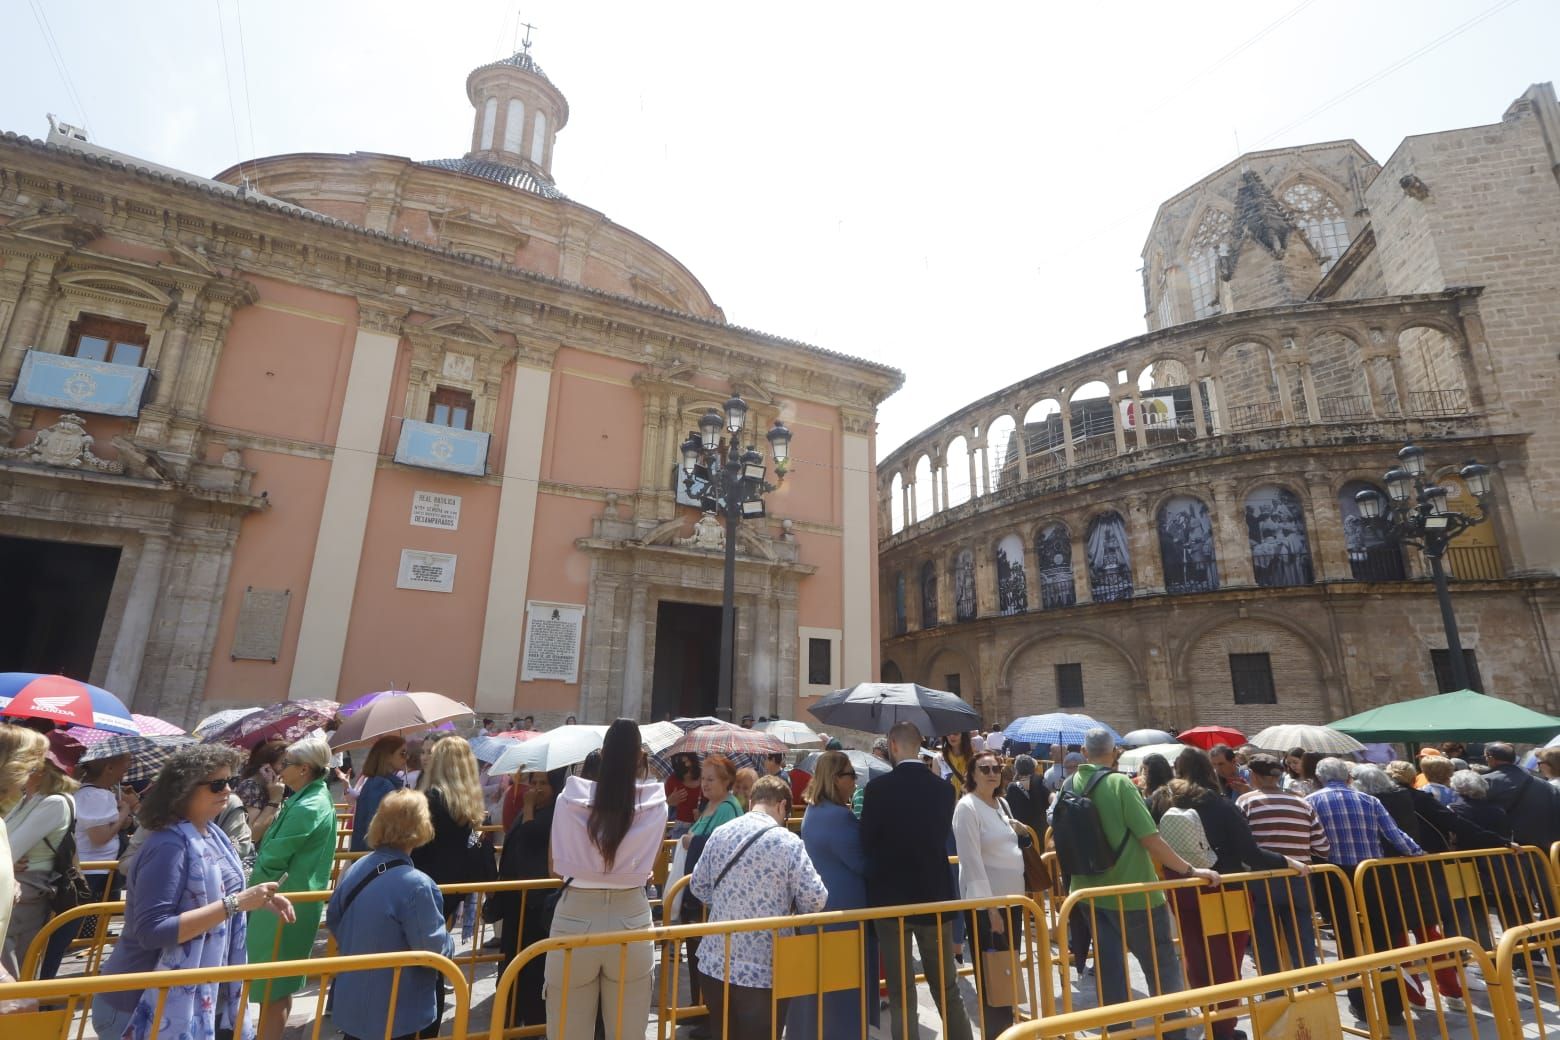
pixel 1284 823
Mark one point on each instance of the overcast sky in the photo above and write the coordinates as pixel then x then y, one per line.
pixel 961 191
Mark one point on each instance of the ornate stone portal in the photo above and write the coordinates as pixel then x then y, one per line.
pixel 65 445
pixel 635 566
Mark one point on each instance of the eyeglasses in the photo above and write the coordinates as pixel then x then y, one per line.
pixel 990 770
pixel 217 786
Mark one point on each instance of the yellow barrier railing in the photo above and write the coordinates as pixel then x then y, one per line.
pixel 1212 927
pixel 1527 964
pixel 1454 892
pixel 75 993
pixel 1300 1002
pixel 818 964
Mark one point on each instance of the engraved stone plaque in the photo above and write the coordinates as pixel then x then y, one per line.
pixel 261 619
pixel 552 641
pixel 460 366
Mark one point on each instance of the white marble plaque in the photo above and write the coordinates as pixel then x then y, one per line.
pixel 552 641
pixel 261 619
pixel 426 571
pixel 432 509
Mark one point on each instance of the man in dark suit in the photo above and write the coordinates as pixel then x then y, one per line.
pixel 1533 810
pixel 906 817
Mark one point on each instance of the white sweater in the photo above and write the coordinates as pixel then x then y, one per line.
pixel 990 863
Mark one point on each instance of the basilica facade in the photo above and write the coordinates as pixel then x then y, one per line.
pixel 1165 531
pixel 328 424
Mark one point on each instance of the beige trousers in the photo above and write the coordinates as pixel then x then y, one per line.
pixel 614 979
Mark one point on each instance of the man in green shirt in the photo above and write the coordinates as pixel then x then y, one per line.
pixel 1135 921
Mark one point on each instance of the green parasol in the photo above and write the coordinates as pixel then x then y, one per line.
pixel 1462 715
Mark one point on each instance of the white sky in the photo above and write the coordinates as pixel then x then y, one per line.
pixel 961 191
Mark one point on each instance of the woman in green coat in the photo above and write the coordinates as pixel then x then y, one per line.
pixel 301 845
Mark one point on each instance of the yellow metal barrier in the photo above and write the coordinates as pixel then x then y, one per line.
pixel 75 993
pixel 1527 966
pixel 1212 928
pixel 1301 1002
pixel 1454 892
pixel 809 967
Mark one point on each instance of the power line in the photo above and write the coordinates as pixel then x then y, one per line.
pixel 243 64
pixel 1374 78
pixel 227 75
pixel 58 57
pixel 1207 70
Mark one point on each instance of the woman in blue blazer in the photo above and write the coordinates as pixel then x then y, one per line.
pixel 832 836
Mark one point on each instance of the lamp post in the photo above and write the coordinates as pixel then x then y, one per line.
pixel 1414 512
pixel 732 483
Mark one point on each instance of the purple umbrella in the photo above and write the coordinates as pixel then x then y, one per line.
pixel 351 707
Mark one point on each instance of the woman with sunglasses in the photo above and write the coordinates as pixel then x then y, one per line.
pixel 832 836
pixel 299 847
pixel 185 904
pixel 990 864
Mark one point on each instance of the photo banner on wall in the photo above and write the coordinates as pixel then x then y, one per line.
pixel 964 586
pixel 1110 564
pixel 1053 549
pixel 1186 546
pixel 1012 583
pixel 1275 530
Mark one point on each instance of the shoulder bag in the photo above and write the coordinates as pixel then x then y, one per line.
pixel 67 885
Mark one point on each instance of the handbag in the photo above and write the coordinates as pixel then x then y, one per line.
pixel 1036 877
pixel 67 884
pixel 1004 981
pixel 690 909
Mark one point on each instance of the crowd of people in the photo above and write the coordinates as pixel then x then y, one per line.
pixel 211 851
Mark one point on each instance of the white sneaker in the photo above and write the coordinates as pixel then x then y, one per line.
pixel 1454 1003
pixel 1473 980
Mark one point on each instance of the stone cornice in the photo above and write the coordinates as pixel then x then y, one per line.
pixel 270 239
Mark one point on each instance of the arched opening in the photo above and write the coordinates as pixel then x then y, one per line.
pixel 1164 404
pixel 489 117
pixel 1202 271
pixel 900 623
pixel 1012 582
pixel 1248 384
pixel 514 126
pixel 1432 377
pixel 1275 529
pixel 1372 555
pixel 890 673
pixel 928 595
pixel 964 585
pixel 1186 546
pixel 957 462
pixel 1053 551
pixel 1338 374
pixel 1475 554
pixel 925 492
pixel 1001 453
pixel 896 504
pixel 1043 437
pixel 1093 425
pixel 1110 562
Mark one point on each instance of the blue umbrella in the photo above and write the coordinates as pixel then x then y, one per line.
pixel 1057 727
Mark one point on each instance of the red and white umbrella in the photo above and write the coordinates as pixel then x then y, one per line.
pixel 726 739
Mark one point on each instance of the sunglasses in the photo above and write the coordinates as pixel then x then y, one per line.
pixel 990 770
pixel 217 786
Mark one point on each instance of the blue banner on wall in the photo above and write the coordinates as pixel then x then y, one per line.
pixel 78 385
pixel 442 447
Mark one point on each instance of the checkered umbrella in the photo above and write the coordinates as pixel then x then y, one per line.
pixel 658 736
pixel 290 720
pixel 149 727
pixel 726 739
pixel 148 754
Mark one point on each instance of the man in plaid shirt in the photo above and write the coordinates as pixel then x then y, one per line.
pixel 1358 828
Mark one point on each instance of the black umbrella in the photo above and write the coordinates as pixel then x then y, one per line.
pixel 876 707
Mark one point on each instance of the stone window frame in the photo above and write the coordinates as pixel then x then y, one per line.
pixel 110 295
pixel 432 344
pixel 116 332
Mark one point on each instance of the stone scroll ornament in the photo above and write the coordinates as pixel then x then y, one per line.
pixel 65 445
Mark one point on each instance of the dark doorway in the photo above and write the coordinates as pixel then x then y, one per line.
pixel 687 660
pixel 51 611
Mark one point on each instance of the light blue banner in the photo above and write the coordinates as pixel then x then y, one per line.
pixel 78 385
pixel 442 447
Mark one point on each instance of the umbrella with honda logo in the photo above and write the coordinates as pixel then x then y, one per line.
pixel 28 695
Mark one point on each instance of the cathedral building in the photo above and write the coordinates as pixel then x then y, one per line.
pixel 329 424
pixel 1165 531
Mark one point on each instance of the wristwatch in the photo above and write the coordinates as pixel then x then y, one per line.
pixel 230 904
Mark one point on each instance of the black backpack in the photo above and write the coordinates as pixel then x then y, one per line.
pixel 1081 847
pixel 67 884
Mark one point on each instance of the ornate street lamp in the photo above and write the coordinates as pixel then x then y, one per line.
pixel 731 482
pixel 1415 512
